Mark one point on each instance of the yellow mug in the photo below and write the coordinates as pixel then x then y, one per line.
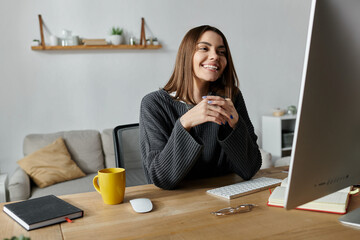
pixel 110 183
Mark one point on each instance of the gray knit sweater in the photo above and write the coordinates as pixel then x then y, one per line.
pixel 171 154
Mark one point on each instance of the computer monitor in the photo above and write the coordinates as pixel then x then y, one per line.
pixel 326 146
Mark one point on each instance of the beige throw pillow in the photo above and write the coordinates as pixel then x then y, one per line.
pixel 51 164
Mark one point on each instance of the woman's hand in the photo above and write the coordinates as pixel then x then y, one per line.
pixel 226 108
pixel 211 109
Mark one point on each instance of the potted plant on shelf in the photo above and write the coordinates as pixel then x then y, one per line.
pixel 35 43
pixel 116 36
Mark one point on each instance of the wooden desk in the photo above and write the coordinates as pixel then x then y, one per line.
pixel 185 214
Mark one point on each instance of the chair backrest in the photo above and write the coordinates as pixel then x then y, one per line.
pixel 127 153
pixel 126 146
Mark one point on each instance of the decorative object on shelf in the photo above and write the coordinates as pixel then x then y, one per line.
pixel 291 110
pixel 278 112
pixel 54 40
pixel 35 42
pixel 152 41
pixel 67 38
pixel 116 36
pixel 155 41
pixel 132 41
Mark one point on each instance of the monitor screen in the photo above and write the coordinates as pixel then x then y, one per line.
pixel 326 146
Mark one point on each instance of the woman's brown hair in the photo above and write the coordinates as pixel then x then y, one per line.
pixel 181 80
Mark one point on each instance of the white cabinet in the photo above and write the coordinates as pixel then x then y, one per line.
pixel 278 134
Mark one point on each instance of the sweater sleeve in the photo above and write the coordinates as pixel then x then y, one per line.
pixel 168 150
pixel 240 145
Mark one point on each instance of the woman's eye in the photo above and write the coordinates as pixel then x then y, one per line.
pixel 203 48
pixel 222 52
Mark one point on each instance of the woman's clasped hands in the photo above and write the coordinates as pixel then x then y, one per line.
pixel 211 109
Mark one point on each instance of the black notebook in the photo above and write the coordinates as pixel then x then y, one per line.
pixel 42 211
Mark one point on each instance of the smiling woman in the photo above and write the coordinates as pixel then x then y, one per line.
pixel 198 125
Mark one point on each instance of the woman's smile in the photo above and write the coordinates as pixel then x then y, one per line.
pixel 210 67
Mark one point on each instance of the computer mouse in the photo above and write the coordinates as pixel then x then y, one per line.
pixel 141 205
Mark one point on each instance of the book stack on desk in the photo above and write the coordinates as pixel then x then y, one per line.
pixel 42 211
pixel 333 203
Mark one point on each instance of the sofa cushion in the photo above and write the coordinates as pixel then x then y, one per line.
pixel 79 185
pixel 50 164
pixel 108 147
pixel 84 147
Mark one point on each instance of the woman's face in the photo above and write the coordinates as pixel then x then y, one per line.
pixel 209 60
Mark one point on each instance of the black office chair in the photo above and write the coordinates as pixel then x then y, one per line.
pixel 127 153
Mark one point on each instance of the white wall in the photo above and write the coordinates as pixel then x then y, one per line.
pixel 50 91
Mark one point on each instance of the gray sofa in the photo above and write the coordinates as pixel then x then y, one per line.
pixel 90 149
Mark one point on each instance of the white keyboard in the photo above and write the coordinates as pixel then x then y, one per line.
pixel 244 188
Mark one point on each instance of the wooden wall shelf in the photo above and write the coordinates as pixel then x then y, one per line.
pixel 89 47
pixel 142 44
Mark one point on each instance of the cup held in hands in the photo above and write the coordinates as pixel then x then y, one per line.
pixel 110 183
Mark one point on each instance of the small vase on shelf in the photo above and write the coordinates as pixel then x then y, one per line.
pixel 115 39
